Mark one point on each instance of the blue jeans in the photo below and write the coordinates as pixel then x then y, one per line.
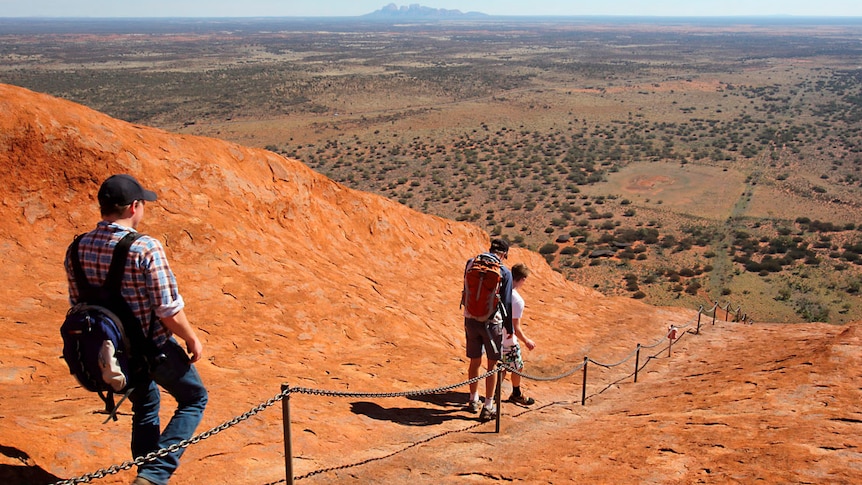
pixel 178 377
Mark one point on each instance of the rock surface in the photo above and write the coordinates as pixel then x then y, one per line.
pixel 291 278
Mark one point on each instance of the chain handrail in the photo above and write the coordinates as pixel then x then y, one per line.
pixel 378 458
pixel 608 366
pixel 508 368
pixel 365 395
pixel 126 465
pixel 113 469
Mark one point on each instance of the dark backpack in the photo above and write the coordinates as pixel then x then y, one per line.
pixel 481 295
pixel 99 332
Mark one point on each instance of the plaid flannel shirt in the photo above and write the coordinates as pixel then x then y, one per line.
pixel 149 285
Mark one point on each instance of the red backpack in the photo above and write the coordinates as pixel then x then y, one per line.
pixel 481 295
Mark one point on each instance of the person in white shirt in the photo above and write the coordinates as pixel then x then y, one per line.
pixel 511 348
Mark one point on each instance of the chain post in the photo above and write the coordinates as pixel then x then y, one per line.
pixel 497 393
pixel 288 448
pixel 584 388
pixel 637 361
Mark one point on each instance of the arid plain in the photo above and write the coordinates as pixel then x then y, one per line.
pixel 533 129
pixel 298 279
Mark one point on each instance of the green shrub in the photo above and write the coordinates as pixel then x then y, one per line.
pixel 549 248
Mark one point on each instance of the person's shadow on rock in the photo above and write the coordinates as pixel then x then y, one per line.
pixel 25 473
pixel 449 406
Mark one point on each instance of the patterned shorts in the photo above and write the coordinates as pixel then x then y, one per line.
pixel 512 357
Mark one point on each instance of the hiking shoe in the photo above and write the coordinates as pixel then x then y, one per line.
pixel 474 406
pixel 487 414
pixel 142 481
pixel 522 400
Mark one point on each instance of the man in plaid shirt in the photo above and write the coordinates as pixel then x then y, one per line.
pixel 150 289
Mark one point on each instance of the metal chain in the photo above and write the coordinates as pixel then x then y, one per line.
pixel 102 473
pixel 369 460
pixel 507 368
pixel 653 345
pixel 632 354
pixel 323 392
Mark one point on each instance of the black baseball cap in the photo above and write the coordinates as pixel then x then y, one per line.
pixel 499 246
pixel 122 189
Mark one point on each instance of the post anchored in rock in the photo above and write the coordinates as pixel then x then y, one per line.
pixel 288 452
pixel 584 388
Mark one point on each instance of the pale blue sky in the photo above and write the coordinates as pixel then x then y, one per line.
pixel 327 8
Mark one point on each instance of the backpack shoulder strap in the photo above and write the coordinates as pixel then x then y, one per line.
pixel 113 282
pixel 84 286
pixel 114 279
pixel 118 263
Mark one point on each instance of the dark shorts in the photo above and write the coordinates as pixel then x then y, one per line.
pixel 483 336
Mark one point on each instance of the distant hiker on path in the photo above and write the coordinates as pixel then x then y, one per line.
pixel 511 348
pixel 487 302
pixel 150 290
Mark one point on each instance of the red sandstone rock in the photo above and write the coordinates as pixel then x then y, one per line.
pixel 293 278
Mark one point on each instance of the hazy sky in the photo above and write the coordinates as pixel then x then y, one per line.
pixel 299 8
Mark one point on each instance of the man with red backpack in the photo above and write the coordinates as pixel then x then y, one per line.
pixel 487 303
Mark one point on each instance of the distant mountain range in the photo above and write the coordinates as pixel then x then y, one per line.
pixel 416 11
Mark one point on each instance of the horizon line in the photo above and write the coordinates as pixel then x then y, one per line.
pixel 466 14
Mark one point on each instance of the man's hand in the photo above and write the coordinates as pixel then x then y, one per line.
pixel 195 349
pixel 180 326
